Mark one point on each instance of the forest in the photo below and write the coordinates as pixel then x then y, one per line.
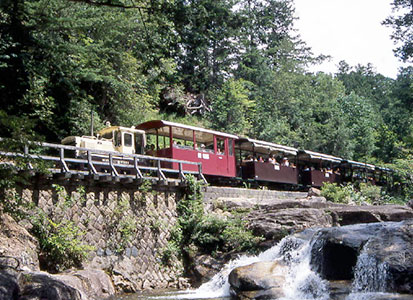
pixel 129 61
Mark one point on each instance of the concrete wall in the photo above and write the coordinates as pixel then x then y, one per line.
pixel 127 225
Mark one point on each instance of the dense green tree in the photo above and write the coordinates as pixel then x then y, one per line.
pixel 207 31
pixel 360 119
pixel 231 108
pixel 67 58
pixel 402 23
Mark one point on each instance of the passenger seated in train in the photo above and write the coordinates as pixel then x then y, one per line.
pixel 260 159
pixel 272 160
pixel 285 162
pixel 248 158
pixel 150 150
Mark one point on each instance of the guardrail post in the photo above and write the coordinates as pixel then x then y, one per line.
pixel 26 153
pixel 62 160
pixel 161 175
pixel 112 167
pixel 200 175
pixel 138 171
pixel 90 163
pixel 181 172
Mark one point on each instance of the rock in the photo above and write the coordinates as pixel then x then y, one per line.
pixel 348 215
pixel 314 192
pixel 280 219
pixel 383 252
pixel 257 276
pixel 410 204
pixel 43 286
pixel 95 284
pixel 18 245
pixel 276 224
pixel 205 267
pixel 75 285
pixel 9 287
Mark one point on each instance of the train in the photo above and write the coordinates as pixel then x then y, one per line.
pixel 232 159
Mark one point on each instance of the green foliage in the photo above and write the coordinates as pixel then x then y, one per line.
pixel 216 234
pixel 231 108
pixel 402 23
pixel 403 177
pixel 371 193
pixel 196 231
pixel 336 193
pixel 60 242
pixel 362 193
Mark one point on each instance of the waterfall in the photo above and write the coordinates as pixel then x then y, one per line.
pixel 301 282
pixel 371 277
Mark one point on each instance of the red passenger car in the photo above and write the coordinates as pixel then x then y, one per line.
pixel 317 168
pixel 215 150
pixel 266 162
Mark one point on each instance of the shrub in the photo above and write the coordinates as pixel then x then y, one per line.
pixel 60 243
pixel 206 233
pixel 336 193
pixel 371 193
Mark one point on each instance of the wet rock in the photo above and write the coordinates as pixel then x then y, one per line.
pixel 257 276
pixel 381 254
pixel 205 267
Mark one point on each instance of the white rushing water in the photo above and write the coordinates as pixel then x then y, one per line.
pixel 370 278
pixel 301 282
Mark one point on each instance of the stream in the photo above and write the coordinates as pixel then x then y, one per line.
pixel 302 283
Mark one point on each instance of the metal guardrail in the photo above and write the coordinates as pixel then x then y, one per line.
pixel 101 163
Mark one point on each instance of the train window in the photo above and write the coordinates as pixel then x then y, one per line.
pixel 118 138
pixel 230 147
pixel 108 135
pixel 220 146
pixel 127 139
pixel 139 142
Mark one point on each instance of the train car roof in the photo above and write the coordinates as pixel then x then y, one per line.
pixel 111 128
pixel 181 131
pixel 359 164
pixel 319 156
pixel 248 144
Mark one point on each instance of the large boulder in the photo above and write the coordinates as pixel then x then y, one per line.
pixel 258 280
pixel 18 248
pixel 348 214
pixel 76 285
pixel 43 286
pixel 274 221
pixel 9 286
pixel 276 224
pixel 378 256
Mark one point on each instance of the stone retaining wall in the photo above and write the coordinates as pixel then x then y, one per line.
pixel 213 193
pixel 127 226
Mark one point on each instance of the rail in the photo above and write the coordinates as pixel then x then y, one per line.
pixel 106 165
